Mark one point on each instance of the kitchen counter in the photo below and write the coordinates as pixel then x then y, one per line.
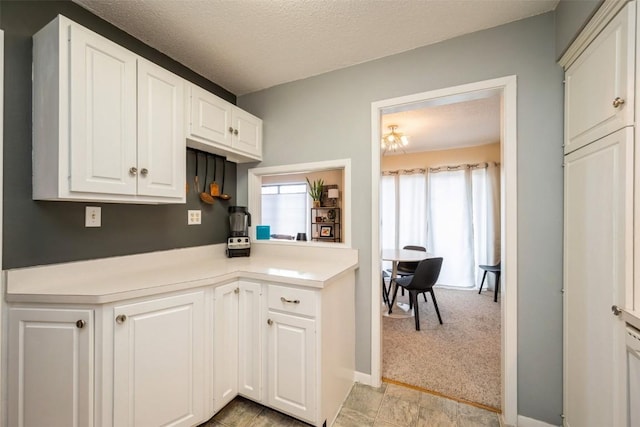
pixel 119 278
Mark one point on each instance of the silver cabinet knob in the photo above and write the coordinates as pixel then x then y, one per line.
pixel 615 310
pixel 236 291
pixel 269 322
pixel 120 319
pixel 618 102
pixel 133 171
pixel 80 324
pixel 144 171
pixel 230 129
pixel 235 131
pixel 290 301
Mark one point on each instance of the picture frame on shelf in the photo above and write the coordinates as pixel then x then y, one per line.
pixel 326 231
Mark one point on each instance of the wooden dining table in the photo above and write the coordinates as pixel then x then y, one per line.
pixel 396 256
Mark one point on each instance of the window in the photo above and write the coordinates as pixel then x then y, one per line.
pixel 284 208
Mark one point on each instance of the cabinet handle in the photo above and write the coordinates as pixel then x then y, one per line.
pixel 292 301
pixel 133 171
pixel 235 131
pixel 120 319
pixel 230 129
pixel 80 324
pixel 615 310
pixel 618 102
pixel 236 291
pixel 269 322
pixel 144 171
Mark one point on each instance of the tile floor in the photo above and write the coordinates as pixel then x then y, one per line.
pixel 388 406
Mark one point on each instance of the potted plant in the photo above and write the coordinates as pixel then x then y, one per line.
pixel 315 191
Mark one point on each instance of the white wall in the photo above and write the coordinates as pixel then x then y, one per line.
pixel 328 117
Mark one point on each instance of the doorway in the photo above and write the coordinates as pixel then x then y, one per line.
pixel 506 89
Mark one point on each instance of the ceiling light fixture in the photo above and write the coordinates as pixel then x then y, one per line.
pixel 393 140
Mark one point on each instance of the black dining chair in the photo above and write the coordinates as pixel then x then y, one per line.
pixel 496 269
pixel 421 282
pixel 407 268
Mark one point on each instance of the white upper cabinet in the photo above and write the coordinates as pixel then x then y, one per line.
pixel 161 138
pixel 219 127
pixel 107 125
pixel 599 85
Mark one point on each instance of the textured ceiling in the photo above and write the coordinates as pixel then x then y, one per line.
pixel 249 45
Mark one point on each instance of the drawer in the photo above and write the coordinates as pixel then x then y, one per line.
pixel 292 300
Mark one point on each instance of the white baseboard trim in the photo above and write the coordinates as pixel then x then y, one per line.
pixel 530 422
pixel 362 378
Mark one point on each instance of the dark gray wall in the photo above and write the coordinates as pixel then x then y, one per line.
pixel 329 117
pixel 36 232
pixel 571 17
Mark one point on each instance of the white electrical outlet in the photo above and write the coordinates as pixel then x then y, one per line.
pixel 193 217
pixel 92 216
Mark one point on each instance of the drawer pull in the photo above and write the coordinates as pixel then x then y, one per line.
pixel 120 319
pixel 269 322
pixel 291 301
pixel 80 324
pixel 618 102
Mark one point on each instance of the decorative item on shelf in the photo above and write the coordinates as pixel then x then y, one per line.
pixel 393 140
pixel 326 231
pixel 331 214
pixel 318 219
pixel 315 191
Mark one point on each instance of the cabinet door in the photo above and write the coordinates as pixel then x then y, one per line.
pixel 161 138
pixel 102 115
pixel 247 133
pixel 598 227
pixel 225 344
pixel 251 344
pixel 602 73
pixel 292 365
pixel 210 117
pixel 159 361
pixel 50 368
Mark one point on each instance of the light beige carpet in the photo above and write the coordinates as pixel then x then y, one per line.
pixel 459 359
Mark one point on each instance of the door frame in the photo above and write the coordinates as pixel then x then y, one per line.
pixel 506 87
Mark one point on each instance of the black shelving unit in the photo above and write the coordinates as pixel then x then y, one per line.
pixel 325 224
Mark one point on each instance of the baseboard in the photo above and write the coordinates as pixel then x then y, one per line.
pixel 362 378
pixel 530 422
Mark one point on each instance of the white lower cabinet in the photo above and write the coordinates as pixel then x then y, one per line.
pixel 598 244
pixel 158 357
pixel 176 359
pixel 50 367
pixel 292 365
pixel 237 342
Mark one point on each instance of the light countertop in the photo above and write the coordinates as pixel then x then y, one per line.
pixel 114 279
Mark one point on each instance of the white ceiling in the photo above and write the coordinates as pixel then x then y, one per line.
pixel 451 125
pixel 249 45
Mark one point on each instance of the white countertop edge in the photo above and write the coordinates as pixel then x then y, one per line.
pixel 35 284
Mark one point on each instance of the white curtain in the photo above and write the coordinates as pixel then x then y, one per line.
pixel 453 212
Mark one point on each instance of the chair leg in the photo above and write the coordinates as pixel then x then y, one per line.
pixel 413 296
pixel 393 300
pixel 435 304
pixel 385 292
pixel 424 294
pixel 482 283
pixel 495 291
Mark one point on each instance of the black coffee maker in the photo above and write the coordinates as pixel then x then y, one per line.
pixel 238 243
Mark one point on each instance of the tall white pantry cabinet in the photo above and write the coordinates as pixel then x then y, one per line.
pixel 598 223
